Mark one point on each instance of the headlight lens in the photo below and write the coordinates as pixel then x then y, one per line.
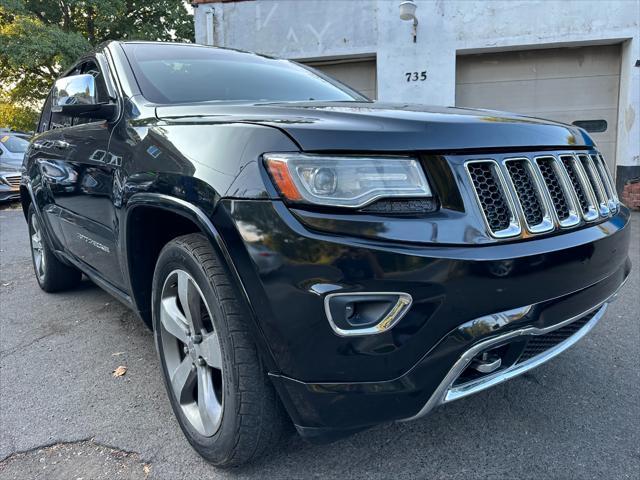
pixel 346 181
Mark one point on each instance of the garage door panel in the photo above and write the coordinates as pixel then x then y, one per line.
pixel 525 96
pixel 564 84
pixel 540 64
pixel 359 75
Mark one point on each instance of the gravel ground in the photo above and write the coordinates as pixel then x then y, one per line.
pixel 63 415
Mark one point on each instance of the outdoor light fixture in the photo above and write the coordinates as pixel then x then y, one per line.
pixel 408 12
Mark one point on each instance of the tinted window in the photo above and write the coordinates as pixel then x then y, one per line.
pixel 45 116
pixel 172 73
pixel 592 126
pixel 14 144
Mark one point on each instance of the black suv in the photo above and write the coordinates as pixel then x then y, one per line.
pixel 304 253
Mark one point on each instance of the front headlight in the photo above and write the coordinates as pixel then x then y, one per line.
pixel 346 181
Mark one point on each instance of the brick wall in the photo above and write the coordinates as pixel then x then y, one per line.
pixel 631 194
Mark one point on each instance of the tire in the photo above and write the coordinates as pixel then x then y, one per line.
pixel 217 385
pixel 51 273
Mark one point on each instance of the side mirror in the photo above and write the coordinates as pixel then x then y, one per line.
pixel 76 96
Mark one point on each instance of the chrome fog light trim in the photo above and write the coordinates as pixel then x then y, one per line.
pixel 390 319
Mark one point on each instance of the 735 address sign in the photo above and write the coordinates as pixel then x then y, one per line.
pixel 416 76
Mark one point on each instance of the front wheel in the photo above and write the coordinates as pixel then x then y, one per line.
pixel 218 388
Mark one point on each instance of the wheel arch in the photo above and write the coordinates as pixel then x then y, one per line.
pixel 200 221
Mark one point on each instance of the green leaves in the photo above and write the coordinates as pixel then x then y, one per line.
pixel 42 38
pixel 18 118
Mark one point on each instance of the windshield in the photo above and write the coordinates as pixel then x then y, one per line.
pixel 171 73
pixel 14 144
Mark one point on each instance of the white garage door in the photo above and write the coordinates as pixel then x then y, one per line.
pixel 358 74
pixel 565 84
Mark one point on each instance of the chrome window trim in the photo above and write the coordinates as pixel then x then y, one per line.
pixel 514 227
pixel 565 184
pixel 547 223
pixel 390 320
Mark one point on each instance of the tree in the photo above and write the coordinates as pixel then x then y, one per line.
pixel 17 117
pixel 41 38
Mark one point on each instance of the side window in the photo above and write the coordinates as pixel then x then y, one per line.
pixel 45 116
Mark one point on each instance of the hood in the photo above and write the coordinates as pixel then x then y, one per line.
pixel 373 126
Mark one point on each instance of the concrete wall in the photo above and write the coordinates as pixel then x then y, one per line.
pixel 314 29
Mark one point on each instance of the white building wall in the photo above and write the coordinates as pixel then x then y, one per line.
pixel 312 29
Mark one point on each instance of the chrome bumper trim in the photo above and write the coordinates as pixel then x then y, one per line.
pixel 446 392
pixel 464 390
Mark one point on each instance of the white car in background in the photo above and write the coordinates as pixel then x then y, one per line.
pixel 12 148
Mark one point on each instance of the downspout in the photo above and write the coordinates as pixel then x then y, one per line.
pixel 209 19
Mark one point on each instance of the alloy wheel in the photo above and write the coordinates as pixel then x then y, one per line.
pixel 191 352
pixel 37 248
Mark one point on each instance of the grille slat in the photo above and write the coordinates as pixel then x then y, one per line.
pixel 556 190
pixel 575 182
pixel 606 180
pixel 594 180
pixel 524 185
pixel 13 180
pixel 491 195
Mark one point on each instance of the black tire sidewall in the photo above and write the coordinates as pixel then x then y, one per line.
pixel 213 448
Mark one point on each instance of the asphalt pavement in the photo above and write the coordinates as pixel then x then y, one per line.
pixel 63 415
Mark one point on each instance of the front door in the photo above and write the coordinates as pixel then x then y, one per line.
pixel 87 215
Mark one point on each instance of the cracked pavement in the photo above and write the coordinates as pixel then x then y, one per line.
pixel 575 417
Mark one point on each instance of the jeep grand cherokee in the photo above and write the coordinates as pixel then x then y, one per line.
pixel 307 256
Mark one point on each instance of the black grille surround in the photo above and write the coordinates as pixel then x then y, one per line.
pixel 541 192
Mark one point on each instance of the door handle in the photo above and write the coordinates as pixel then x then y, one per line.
pixel 61 144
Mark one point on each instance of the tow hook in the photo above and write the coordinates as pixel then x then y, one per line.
pixel 486 363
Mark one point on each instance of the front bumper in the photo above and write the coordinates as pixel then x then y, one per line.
pixel 9 187
pixel 334 385
pixel 9 193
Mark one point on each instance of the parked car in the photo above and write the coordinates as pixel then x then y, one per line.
pixel 12 148
pixel 418 254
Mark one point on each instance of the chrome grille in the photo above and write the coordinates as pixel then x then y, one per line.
pixel 542 192
pixel 13 180
pixel 526 191
pixel 596 184
pixel 607 181
pixel 581 187
pixel 495 202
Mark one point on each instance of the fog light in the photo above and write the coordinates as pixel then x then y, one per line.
pixel 369 313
